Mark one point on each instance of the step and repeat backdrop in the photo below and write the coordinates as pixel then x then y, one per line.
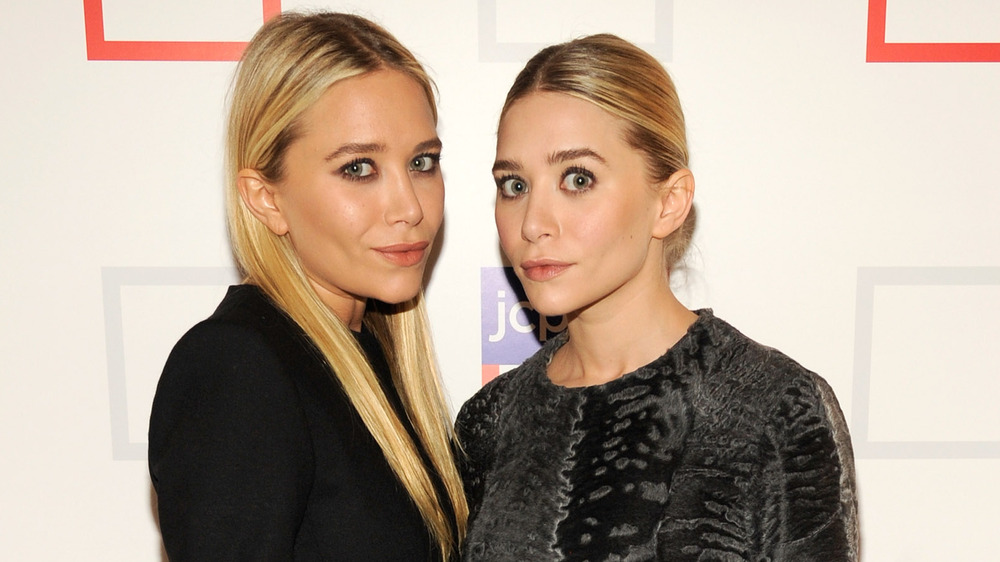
pixel 848 186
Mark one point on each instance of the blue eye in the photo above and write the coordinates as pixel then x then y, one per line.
pixel 511 186
pixel 578 179
pixel 358 169
pixel 425 162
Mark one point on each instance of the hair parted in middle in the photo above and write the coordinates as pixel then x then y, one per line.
pixel 630 84
pixel 288 65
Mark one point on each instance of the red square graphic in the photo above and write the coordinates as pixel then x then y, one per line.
pixel 99 49
pixel 880 51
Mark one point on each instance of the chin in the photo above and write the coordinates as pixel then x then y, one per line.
pixel 396 295
pixel 547 306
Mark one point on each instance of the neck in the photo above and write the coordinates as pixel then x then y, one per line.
pixel 352 313
pixel 605 342
pixel 350 309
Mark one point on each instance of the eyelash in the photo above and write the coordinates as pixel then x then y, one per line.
pixel 434 157
pixel 502 180
pixel 435 161
pixel 357 162
pixel 576 170
pixel 574 190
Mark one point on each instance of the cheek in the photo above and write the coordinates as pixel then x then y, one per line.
pixel 303 219
pixel 432 204
pixel 591 226
pixel 505 221
pixel 508 229
pixel 606 230
pixel 628 221
pixel 327 224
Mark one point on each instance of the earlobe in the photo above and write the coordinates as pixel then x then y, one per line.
pixel 676 196
pixel 259 198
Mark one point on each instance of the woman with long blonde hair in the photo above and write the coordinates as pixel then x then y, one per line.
pixel 645 431
pixel 305 419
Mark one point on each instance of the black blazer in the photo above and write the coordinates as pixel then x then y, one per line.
pixel 256 454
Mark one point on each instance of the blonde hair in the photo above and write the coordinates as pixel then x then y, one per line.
pixel 630 84
pixel 291 61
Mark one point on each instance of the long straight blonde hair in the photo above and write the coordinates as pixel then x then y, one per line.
pixel 288 65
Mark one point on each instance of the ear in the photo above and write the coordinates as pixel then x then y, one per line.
pixel 258 196
pixel 676 195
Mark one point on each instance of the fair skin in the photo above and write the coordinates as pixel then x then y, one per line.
pixel 362 195
pixel 583 226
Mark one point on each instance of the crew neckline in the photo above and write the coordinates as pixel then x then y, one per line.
pixel 686 341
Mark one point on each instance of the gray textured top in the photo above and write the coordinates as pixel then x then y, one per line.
pixel 720 450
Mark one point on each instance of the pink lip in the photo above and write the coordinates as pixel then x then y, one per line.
pixel 404 255
pixel 543 269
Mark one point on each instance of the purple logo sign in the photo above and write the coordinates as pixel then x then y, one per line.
pixel 512 330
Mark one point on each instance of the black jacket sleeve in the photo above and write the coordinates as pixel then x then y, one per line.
pixel 230 454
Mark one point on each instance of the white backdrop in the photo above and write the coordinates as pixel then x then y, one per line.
pixel 848 217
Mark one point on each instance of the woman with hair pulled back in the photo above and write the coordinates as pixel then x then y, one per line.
pixel 645 431
pixel 305 420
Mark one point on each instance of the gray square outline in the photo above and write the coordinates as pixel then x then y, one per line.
pixel 492 51
pixel 112 280
pixel 868 279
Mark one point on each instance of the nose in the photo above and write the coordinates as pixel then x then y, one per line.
pixel 403 205
pixel 539 219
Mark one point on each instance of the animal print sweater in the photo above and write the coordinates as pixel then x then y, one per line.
pixel 720 450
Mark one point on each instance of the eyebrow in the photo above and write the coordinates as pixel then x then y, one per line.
pixel 508 165
pixel 555 158
pixel 573 154
pixel 369 147
pixel 432 144
pixel 355 148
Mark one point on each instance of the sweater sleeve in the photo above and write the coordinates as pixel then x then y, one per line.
pixel 475 428
pixel 818 505
pixel 230 454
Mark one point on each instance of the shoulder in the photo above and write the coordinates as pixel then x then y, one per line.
pixel 797 413
pixel 244 358
pixel 479 414
pixel 485 418
pixel 245 329
pixel 480 418
pixel 493 396
pixel 762 380
pixel 728 353
pixel 231 444
pixel 246 309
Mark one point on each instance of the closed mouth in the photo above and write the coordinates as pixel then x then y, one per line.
pixel 406 254
pixel 543 269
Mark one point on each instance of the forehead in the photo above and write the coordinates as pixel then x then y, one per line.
pixel 549 117
pixel 380 103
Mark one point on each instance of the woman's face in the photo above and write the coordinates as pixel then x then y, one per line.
pixel 575 211
pixel 362 196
